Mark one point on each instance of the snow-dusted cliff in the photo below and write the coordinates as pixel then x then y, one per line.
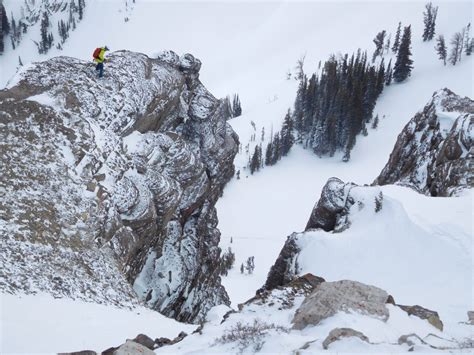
pixel 434 152
pixel 112 182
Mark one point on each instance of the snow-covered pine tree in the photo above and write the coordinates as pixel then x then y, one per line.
pixel 379 44
pixel 80 9
pixel 429 19
pixel 396 42
pixel 375 122
pixel 250 265
pixel 269 154
pixel 256 160
pixel 287 139
pixel 388 74
pixel 380 79
pixel 44 43
pixel 470 47
pixel 456 48
pixel 4 27
pixel 388 43
pixel 404 64
pixel 236 106
pixel 335 106
pixel 441 48
pixel 276 151
pixel 468 40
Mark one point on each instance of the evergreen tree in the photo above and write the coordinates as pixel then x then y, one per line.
pixel 287 139
pixel 441 48
pixel 396 42
pixel 380 79
pixel 429 19
pixel 388 74
pixel 347 155
pixel 470 46
pixel 387 45
pixel 20 63
pixel 331 109
pixel 44 44
pixel 250 265
pixel 4 27
pixel 276 153
pixel 456 49
pixel 80 9
pixel 256 161
pixel 236 106
pixel 379 42
pixel 269 154
pixel 468 40
pixel 375 122
pixel 403 65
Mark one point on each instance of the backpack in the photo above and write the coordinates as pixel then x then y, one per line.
pixel 96 53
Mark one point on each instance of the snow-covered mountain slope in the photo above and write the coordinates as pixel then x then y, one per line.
pixel 112 182
pixel 411 244
pixel 33 324
pixel 276 201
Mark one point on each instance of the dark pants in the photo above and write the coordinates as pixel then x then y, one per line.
pixel 100 68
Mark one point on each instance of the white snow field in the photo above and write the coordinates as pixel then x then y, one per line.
pixel 247 47
pixel 42 324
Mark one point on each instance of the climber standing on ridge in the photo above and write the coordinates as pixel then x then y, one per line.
pixel 99 58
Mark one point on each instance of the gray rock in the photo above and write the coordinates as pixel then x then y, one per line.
pixel 332 297
pixel 285 268
pixel 470 317
pixel 145 341
pixel 339 333
pixel 132 348
pixel 431 316
pixel 433 153
pixel 331 203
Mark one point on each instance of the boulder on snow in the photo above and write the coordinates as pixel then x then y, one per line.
pixel 337 201
pixel 339 333
pixel 331 203
pixel 145 340
pixel 332 297
pixel 132 348
pixel 166 341
pixel 431 316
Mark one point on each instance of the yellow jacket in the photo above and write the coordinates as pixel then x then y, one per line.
pixel 101 57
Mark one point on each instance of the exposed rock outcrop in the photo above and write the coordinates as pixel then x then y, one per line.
pixel 423 313
pixel 332 213
pixel 470 317
pixel 111 183
pixel 341 296
pixel 434 152
pixel 131 347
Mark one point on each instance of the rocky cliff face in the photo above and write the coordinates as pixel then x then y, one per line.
pixel 434 153
pixel 111 183
pixel 338 203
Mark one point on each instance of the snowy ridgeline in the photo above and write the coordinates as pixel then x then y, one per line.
pixel 127 171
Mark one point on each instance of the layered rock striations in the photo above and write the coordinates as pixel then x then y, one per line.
pixel 110 184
